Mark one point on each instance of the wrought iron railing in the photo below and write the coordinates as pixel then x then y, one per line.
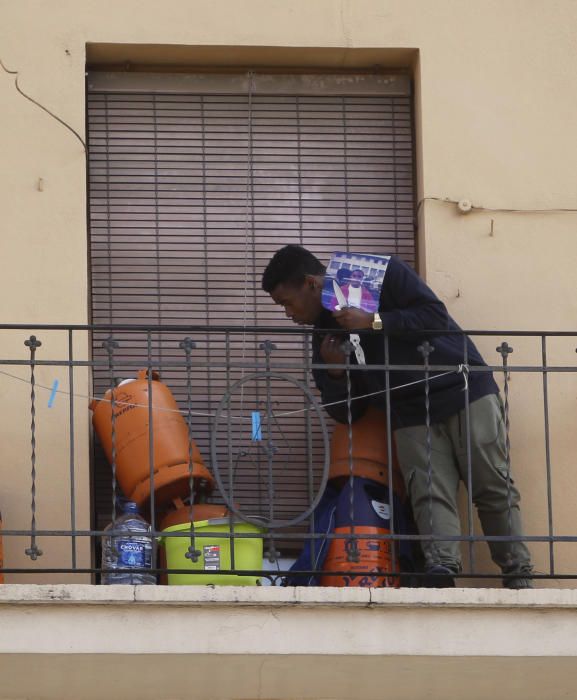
pixel 248 400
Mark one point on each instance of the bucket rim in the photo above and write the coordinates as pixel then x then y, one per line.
pixel 214 522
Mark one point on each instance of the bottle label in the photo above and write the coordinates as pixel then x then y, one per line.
pixel 131 554
pixel 211 553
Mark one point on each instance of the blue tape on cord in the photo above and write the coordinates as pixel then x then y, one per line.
pixel 53 393
pixel 256 429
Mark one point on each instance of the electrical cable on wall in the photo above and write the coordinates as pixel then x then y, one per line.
pixel 447 200
pixel 473 207
pixel 45 109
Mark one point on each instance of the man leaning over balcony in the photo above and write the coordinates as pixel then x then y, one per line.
pixel 294 279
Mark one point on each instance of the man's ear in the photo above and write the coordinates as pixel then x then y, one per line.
pixel 311 281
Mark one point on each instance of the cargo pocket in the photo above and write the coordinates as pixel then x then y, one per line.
pixel 486 421
pixel 504 473
pixel 410 482
pixel 510 493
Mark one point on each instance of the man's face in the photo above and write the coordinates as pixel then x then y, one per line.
pixel 301 304
pixel 357 278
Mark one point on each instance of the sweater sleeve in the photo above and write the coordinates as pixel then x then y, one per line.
pixel 334 391
pixel 407 303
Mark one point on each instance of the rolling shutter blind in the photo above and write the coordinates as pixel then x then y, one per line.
pixel 194 182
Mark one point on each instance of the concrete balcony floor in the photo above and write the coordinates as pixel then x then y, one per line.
pixel 232 643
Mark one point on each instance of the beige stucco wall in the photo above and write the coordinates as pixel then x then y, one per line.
pixel 495 96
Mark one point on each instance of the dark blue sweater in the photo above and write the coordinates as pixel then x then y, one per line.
pixel 407 307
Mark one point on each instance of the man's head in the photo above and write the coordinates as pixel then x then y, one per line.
pixel 357 278
pixel 294 279
pixel 343 276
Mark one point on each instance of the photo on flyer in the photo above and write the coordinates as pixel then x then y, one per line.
pixel 354 279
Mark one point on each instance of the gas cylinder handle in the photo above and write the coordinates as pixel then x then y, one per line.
pixel 143 374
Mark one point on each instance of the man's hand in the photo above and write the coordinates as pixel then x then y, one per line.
pixel 332 353
pixel 353 319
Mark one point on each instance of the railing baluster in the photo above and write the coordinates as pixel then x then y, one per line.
pixel 392 543
pixel 231 468
pixel 308 427
pixel 72 446
pixel 188 346
pixel 505 350
pixel 470 520
pixel 271 450
pixel 426 349
pixel 154 552
pixel 547 454
pixel 110 345
pixel 33 551
pixel 352 545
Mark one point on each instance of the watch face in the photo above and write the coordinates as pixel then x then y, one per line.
pixel 377 323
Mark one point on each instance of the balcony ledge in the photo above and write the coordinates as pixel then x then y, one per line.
pixel 268 596
pixel 245 643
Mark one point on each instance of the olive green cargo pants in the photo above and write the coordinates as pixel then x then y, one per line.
pixel 434 497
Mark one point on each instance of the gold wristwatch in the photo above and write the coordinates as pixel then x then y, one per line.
pixel 377 322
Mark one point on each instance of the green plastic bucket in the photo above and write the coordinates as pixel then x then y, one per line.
pixel 215 553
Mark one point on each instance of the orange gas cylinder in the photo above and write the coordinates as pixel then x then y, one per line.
pixel 373 556
pixel 370 456
pixel 179 513
pixel 170 439
pixel 364 562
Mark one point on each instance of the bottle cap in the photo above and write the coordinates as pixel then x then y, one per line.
pixel 130 507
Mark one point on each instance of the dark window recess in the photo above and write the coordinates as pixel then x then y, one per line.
pixel 195 181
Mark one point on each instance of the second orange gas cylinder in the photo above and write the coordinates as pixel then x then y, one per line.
pixel 361 555
pixel 369 451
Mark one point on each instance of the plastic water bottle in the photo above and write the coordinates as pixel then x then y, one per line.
pixel 128 551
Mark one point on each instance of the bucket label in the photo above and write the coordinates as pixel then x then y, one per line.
pixel 381 509
pixel 131 553
pixel 211 554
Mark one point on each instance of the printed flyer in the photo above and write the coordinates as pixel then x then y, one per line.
pixel 354 279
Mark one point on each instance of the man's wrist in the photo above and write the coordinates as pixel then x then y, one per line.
pixel 368 324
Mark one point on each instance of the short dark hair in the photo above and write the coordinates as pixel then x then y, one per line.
pixel 290 265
